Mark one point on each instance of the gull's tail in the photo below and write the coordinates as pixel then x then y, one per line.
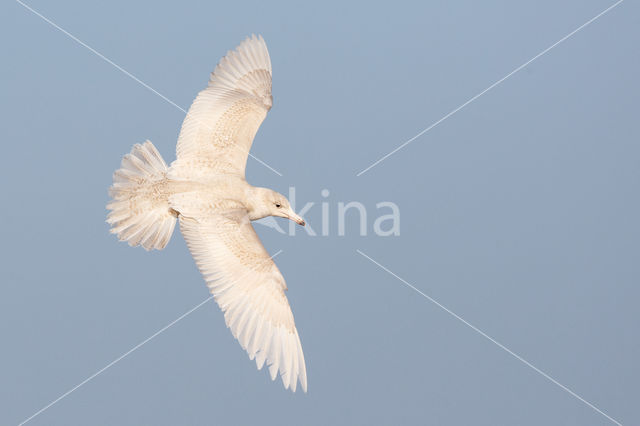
pixel 140 212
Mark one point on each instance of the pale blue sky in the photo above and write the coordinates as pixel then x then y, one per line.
pixel 519 213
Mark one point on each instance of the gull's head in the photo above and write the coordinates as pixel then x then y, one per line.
pixel 275 204
pixel 280 207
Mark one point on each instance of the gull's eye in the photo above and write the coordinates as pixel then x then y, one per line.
pixel 278 205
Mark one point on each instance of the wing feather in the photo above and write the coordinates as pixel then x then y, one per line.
pixel 219 128
pixel 249 289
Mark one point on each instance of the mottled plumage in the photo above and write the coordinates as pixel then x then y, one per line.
pixel 205 189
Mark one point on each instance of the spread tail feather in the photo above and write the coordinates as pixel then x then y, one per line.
pixel 140 212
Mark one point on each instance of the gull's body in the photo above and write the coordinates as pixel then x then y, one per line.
pixel 206 191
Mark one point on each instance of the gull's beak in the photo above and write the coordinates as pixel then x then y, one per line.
pixel 297 219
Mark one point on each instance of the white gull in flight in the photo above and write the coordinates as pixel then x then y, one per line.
pixel 205 189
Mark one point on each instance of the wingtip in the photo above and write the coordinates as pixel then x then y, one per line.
pixel 273 372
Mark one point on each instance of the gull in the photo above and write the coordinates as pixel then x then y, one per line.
pixel 205 190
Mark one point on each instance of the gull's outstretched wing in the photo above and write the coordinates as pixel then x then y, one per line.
pixel 249 289
pixel 219 128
